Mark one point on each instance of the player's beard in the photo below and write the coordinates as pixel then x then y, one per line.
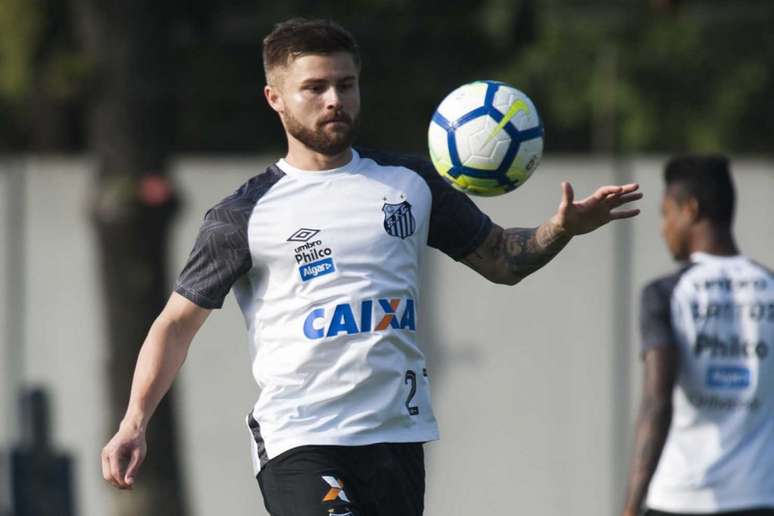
pixel 329 141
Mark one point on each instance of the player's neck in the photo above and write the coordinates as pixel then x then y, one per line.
pixel 713 240
pixel 301 157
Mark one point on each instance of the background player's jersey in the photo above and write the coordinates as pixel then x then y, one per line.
pixel 325 266
pixel 719 455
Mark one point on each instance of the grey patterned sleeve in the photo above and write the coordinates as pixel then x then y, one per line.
pixel 221 253
pixel 656 315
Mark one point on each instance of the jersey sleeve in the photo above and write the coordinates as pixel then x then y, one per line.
pixel 656 317
pixel 221 254
pixel 457 226
pixel 219 257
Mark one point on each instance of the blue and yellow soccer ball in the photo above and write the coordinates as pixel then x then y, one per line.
pixel 486 138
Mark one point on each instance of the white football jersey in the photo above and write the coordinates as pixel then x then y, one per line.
pixel 325 266
pixel 719 454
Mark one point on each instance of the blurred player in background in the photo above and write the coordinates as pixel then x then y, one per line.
pixel 706 423
pixel 323 252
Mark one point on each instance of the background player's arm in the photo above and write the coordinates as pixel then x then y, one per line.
pixel 161 356
pixel 653 423
pixel 509 255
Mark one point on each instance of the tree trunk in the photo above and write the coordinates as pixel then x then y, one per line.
pixel 129 134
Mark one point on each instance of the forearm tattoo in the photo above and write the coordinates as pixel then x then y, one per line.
pixel 526 250
pixel 509 255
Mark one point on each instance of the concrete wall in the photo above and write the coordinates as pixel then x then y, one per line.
pixel 534 387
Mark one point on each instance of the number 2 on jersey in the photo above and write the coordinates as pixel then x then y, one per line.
pixel 411 378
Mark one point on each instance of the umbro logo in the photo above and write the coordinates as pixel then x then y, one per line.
pixel 303 235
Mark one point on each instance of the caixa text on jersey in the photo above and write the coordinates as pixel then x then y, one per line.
pixel 396 314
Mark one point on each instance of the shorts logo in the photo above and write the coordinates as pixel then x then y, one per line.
pixel 336 491
pixel 303 235
pixel 728 377
pixel 398 220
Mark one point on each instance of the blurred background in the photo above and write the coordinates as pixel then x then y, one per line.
pixel 122 122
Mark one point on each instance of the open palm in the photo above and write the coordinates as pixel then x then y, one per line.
pixel 595 210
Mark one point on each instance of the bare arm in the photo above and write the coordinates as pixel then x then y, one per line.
pixel 509 255
pixel 160 358
pixel 652 423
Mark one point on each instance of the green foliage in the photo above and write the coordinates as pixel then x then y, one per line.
pixel 21 25
pixel 684 79
pixel 42 76
pixel 621 75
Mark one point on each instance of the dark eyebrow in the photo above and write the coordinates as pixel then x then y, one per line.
pixel 314 81
pixel 310 82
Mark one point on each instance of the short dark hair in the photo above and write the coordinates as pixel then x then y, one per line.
pixel 300 36
pixel 706 178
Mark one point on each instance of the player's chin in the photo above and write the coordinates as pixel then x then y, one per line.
pixel 334 146
pixel 339 138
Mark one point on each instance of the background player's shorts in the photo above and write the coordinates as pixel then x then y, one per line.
pixel 374 480
pixel 743 512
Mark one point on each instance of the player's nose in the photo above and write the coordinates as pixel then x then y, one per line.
pixel 333 98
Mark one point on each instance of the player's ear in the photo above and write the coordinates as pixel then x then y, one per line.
pixel 691 209
pixel 274 98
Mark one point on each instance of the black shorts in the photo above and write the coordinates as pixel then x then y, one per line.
pixel 374 480
pixel 742 512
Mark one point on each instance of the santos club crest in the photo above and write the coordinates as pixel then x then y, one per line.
pixel 398 220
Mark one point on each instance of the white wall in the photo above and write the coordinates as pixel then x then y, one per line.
pixel 534 386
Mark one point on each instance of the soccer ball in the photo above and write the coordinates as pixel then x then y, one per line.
pixel 486 138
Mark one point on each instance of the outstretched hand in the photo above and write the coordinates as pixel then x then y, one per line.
pixel 586 215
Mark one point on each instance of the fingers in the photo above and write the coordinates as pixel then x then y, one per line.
pixel 631 187
pixel 116 477
pixel 106 466
pixel 622 195
pixel 113 469
pixel 604 192
pixel 616 201
pixel 568 195
pixel 624 214
pixel 134 465
pixel 109 466
pixel 616 190
pixel 627 194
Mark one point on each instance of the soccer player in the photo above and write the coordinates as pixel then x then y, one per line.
pixel 322 251
pixel 706 423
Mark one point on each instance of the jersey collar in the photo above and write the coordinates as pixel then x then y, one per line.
pixel 320 175
pixel 700 257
